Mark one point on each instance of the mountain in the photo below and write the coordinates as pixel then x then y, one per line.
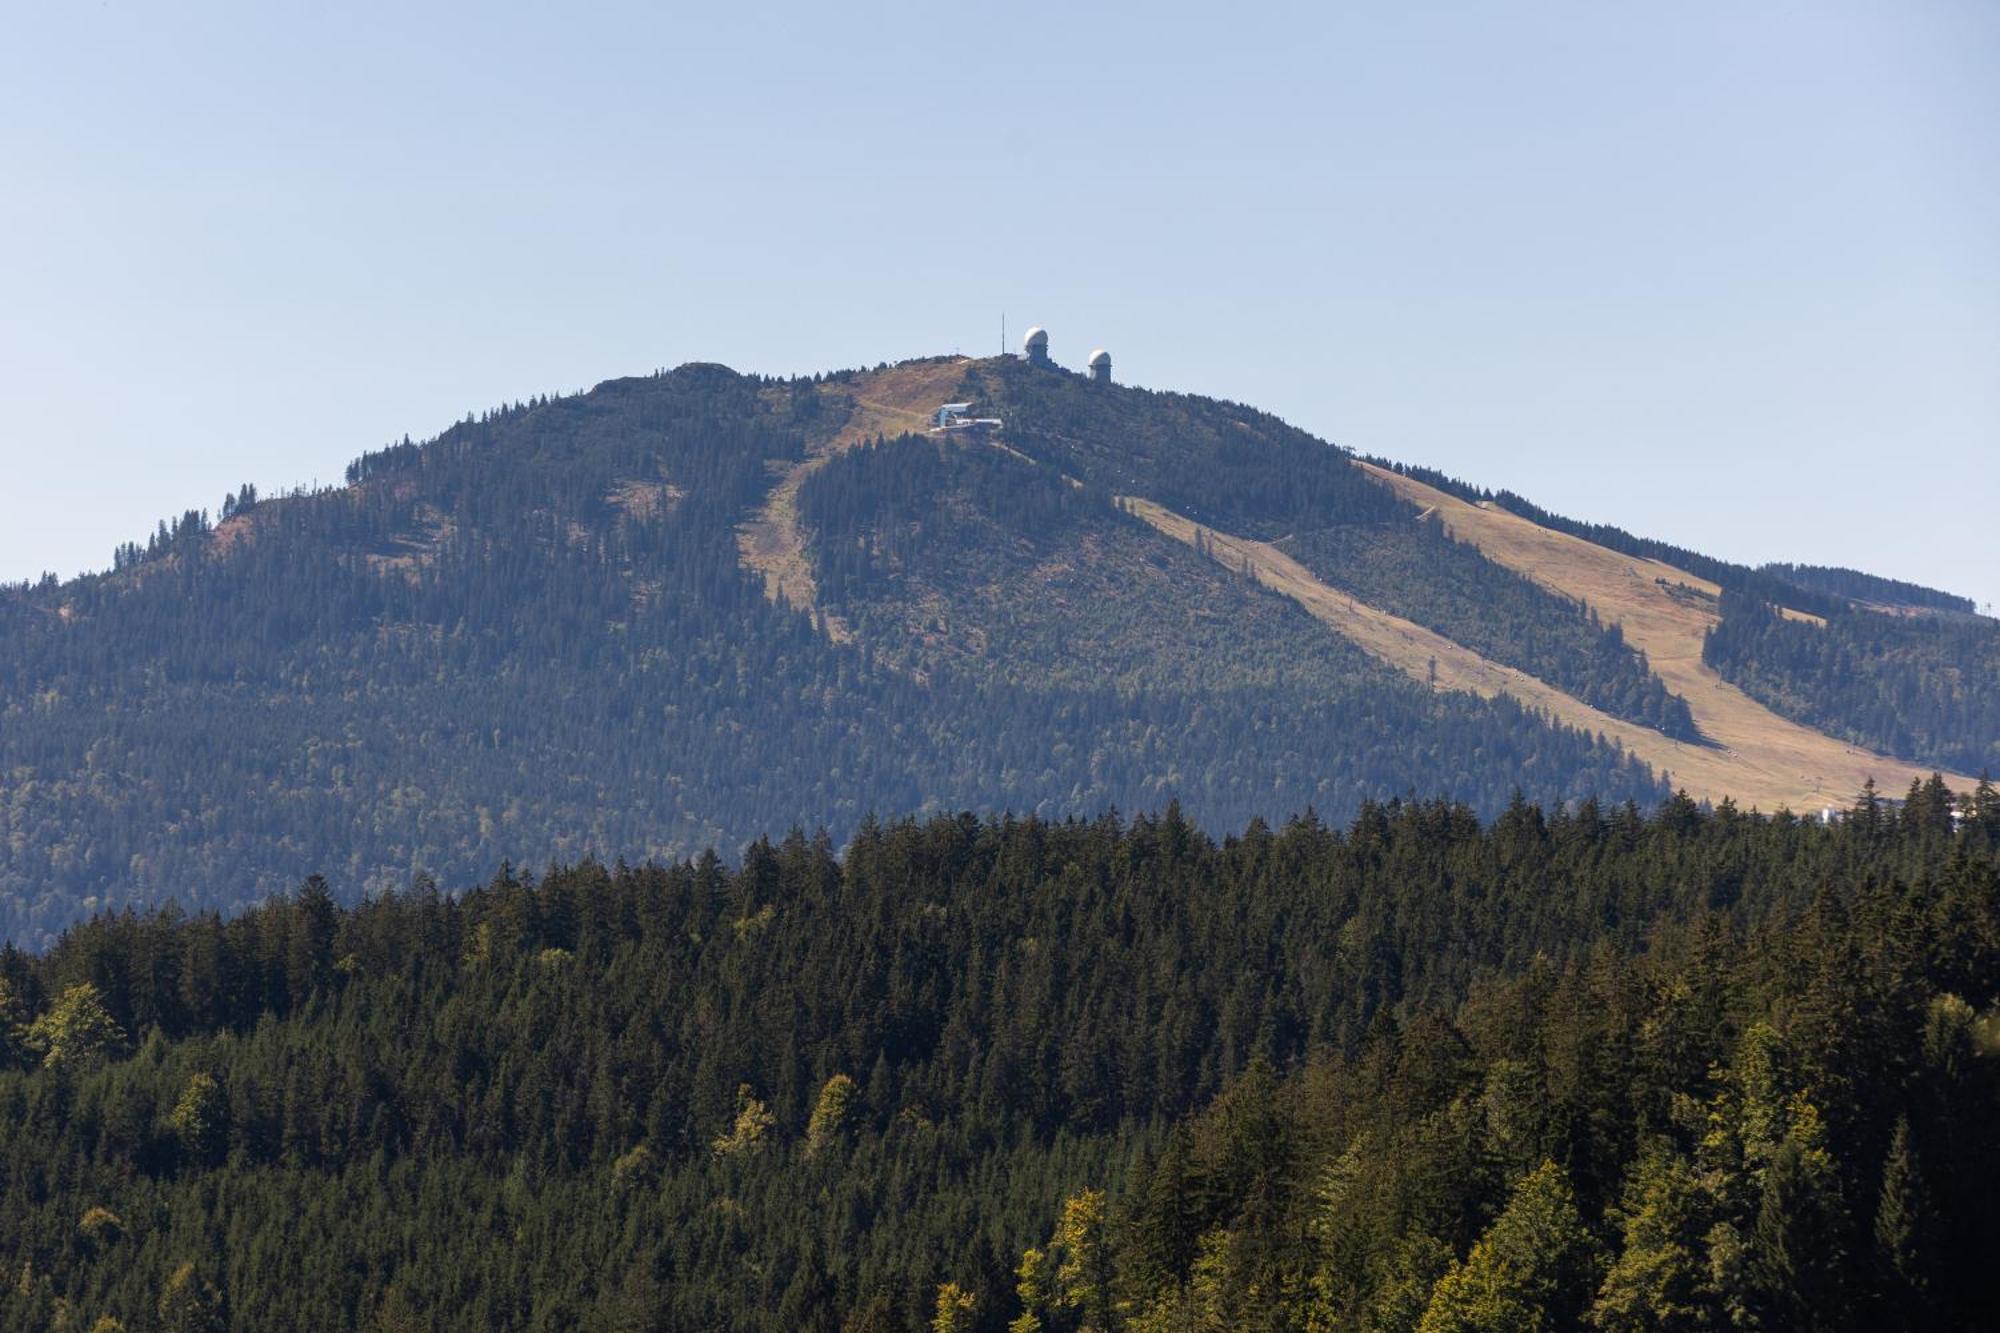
pixel 1559 1048
pixel 696 607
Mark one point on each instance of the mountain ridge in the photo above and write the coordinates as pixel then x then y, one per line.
pixel 1765 760
pixel 698 607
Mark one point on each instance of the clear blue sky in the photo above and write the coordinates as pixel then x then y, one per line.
pixel 1727 274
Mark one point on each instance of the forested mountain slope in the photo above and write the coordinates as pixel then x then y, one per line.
pixel 1443 664
pixel 1420 571
pixel 1923 683
pixel 1668 612
pixel 1245 472
pixel 1901 669
pixel 533 637
pixel 687 609
pixel 1562 1069
pixel 976 559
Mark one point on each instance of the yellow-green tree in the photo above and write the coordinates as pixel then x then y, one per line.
pixel 1662 1274
pixel 1775 1249
pixel 954 1309
pixel 190 1304
pixel 1031 1288
pixel 753 1122
pixel 1075 1273
pixel 100 1228
pixel 77 1030
pixel 200 1119
pixel 396 1315
pixel 1083 1269
pixel 1073 1276
pixel 1532 1270
pixel 634 1169
pixel 1410 1274
pixel 1210 1280
pixel 831 1114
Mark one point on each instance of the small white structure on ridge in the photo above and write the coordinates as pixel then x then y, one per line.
pixel 1100 367
pixel 955 416
pixel 1035 346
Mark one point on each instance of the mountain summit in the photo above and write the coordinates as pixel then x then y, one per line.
pixel 699 607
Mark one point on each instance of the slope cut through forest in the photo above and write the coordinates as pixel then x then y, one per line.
pixel 1666 612
pixel 1734 747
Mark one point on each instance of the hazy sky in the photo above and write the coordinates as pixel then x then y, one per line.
pixel 1722 273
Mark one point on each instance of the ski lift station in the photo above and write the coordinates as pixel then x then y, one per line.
pixel 953 417
pixel 958 416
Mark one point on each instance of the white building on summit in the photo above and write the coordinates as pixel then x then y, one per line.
pixel 1035 346
pixel 958 416
pixel 1035 351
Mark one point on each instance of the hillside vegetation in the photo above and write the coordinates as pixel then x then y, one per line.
pixel 1806 588
pixel 533 637
pixel 1419 571
pixel 696 607
pixel 1219 463
pixel 1900 668
pixel 1216 463
pixel 1768 759
pixel 1585 1069
pixel 942 555
pixel 1853 585
pixel 1923 687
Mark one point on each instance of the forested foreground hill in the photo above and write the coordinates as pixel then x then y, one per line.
pixel 1585 1069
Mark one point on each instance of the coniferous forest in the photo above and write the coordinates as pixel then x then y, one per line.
pixel 1419 571
pixel 1497 1033
pixel 1919 686
pixel 1579 1067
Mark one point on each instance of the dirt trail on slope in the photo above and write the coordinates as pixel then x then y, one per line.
pixel 883 402
pixel 1665 611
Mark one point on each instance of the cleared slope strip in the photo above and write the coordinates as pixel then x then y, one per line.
pixel 1417 652
pixel 1666 611
pixel 881 402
